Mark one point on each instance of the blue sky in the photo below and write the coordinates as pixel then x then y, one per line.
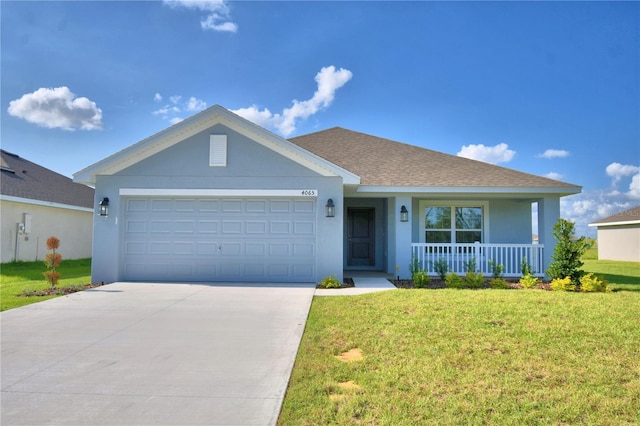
pixel 549 88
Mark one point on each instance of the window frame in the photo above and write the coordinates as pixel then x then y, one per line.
pixel 453 204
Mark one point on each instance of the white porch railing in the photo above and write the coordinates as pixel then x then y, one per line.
pixel 459 256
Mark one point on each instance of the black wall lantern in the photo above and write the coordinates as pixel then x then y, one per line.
pixel 404 214
pixel 330 208
pixel 104 206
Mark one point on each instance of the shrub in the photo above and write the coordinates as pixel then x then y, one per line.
pixel 421 279
pixel 441 267
pixel 452 280
pixel 52 261
pixel 496 269
pixel 499 283
pixel 330 282
pixel 563 284
pixel 471 265
pixel 414 266
pixel 529 281
pixel 473 280
pixel 525 268
pixel 567 253
pixel 593 283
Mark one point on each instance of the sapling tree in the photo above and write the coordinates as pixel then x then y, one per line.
pixel 52 261
pixel 567 253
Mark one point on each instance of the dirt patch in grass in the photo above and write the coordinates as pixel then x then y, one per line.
pixel 354 354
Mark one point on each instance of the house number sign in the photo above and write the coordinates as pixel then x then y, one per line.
pixel 309 193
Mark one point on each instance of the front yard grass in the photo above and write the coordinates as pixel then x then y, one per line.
pixel 451 357
pixel 18 277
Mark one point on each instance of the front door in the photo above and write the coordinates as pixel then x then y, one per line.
pixel 361 230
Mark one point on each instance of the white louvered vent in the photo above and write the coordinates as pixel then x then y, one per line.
pixel 218 150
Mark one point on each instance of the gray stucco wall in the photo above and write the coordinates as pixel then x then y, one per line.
pixel 619 242
pixel 186 165
pixel 510 222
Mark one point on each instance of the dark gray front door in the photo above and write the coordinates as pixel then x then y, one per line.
pixel 361 236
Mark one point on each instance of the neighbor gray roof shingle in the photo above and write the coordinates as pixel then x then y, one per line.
pixel 24 179
pixel 631 215
pixel 383 162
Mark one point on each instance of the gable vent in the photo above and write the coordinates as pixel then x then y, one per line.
pixel 218 150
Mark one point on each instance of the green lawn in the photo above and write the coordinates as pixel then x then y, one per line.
pixel 15 278
pixel 451 357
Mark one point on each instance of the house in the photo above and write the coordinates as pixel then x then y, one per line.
pixel 218 198
pixel 619 236
pixel 37 203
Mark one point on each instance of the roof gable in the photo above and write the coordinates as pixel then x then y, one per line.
pixel 386 163
pixel 199 123
pixel 26 180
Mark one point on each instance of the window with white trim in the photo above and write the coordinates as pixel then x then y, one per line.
pixel 453 224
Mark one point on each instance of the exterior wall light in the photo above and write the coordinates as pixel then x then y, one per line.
pixel 404 214
pixel 330 208
pixel 104 206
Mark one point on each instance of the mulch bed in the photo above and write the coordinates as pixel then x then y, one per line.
pixel 346 283
pixel 437 283
pixel 58 291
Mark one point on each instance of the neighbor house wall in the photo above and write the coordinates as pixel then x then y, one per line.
pixel 619 242
pixel 186 165
pixel 73 226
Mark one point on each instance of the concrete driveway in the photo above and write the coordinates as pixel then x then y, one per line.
pixel 152 354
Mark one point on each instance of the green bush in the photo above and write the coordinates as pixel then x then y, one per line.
pixel 471 265
pixel 529 281
pixel 421 279
pixel 499 283
pixel 473 280
pixel 563 284
pixel 567 253
pixel 330 282
pixel 525 268
pixel 593 283
pixel 452 280
pixel 441 267
pixel 496 269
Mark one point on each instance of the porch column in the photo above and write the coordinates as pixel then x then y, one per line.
pixel 548 215
pixel 403 237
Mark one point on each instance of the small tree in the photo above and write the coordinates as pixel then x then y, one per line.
pixel 52 261
pixel 566 256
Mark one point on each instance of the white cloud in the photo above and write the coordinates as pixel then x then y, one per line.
pixel 554 175
pixel 57 108
pixel 634 188
pixel 489 154
pixel 554 153
pixel 176 106
pixel 617 171
pixel 329 81
pixel 217 16
pixel 194 104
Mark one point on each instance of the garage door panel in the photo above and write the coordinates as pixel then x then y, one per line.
pixel 219 239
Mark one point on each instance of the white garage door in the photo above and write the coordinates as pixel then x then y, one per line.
pixel 220 239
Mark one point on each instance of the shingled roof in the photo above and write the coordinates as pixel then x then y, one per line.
pixel 627 216
pixel 387 163
pixel 24 179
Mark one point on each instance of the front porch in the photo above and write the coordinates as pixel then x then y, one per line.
pixel 479 256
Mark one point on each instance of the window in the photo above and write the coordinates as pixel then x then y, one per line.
pixel 453 224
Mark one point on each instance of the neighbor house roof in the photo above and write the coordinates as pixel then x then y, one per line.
pixel 627 217
pixel 22 179
pixel 386 163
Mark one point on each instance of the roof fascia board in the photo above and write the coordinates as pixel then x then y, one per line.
pixel 469 190
pixel 44 203
pixel 198 123
pixel 626 222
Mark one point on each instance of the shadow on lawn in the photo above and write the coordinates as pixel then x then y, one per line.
pixel 622 282
pixel 32 271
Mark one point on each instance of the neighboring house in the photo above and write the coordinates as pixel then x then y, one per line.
pixel 218 198
pixel 37 203
pixel 619 236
